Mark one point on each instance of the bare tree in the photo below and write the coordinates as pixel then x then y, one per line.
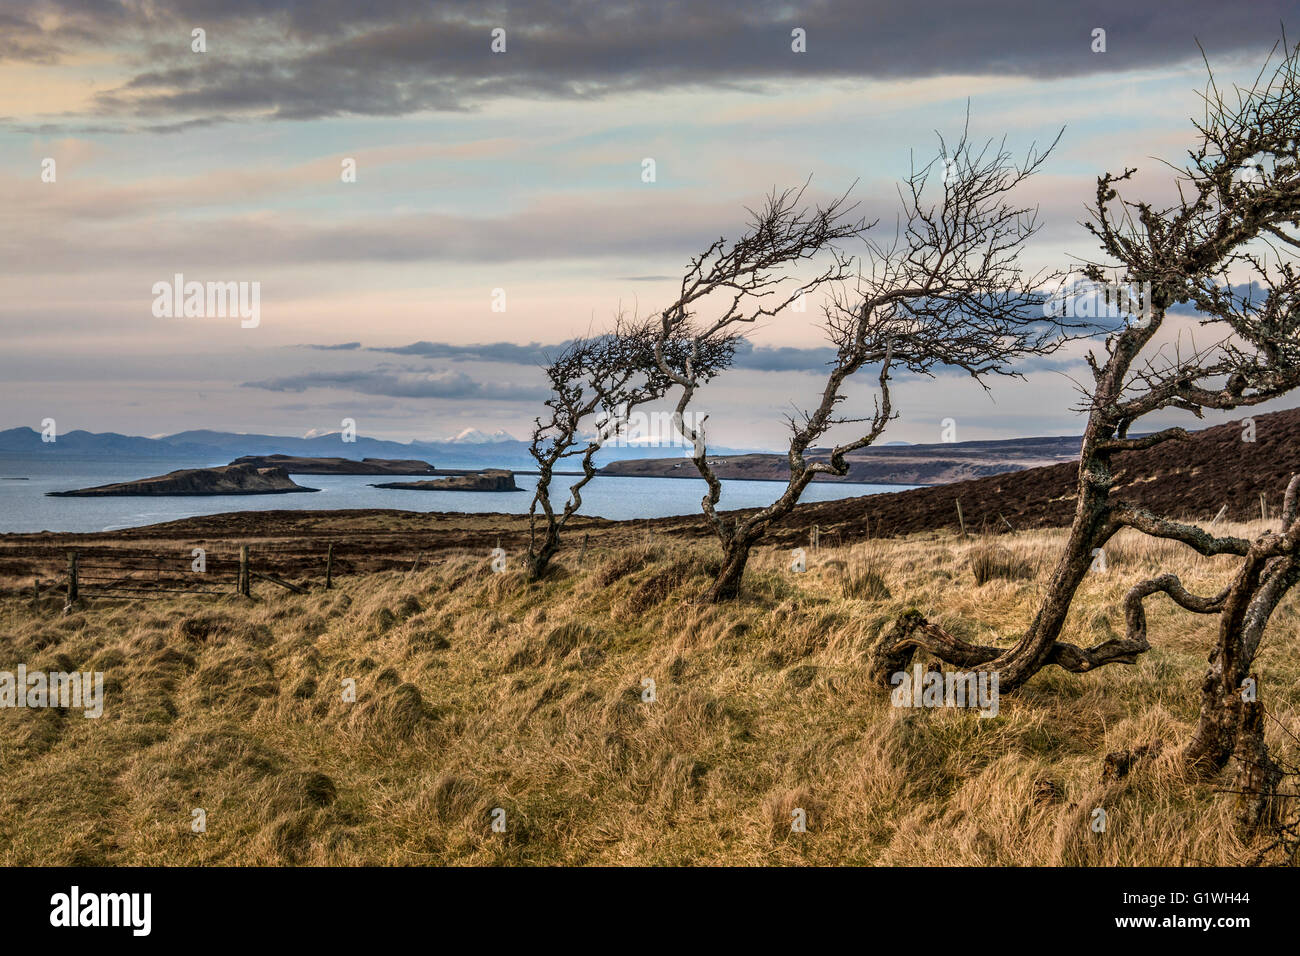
pixel 595 384
pixel 1236 221
pixel 948 290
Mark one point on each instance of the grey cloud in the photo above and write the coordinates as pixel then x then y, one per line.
pixel 782 359
pixel 296 61
pixel 748 356
pixel 507 352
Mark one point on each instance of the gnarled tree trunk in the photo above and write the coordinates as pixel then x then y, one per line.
pixel 727 584
pixel 1228 702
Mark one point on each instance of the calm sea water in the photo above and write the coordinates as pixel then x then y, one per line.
pixel 24 506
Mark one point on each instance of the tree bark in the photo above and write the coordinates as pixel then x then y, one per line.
pixel 537 561
pixel 1261 583
pixel 726 586
pixel 1257 779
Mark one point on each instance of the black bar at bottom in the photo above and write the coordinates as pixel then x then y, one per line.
pixel 332 907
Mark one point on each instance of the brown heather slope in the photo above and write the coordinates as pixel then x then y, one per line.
pixel 1182 479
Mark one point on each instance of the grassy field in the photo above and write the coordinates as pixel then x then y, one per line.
pixel 475 691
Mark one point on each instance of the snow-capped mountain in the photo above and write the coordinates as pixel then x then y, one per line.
pixel 473 436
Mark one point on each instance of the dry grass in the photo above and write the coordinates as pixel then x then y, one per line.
pixel 988 562
pixel 476 691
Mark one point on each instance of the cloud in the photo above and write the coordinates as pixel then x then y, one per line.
pixel 507 352
pixel 549 229
pixel 748 356
pixel 401 383
pixel 287 60
pixel 763 358
pixel 341 347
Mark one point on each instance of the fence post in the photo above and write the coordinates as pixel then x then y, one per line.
pixel 583 553
pixel 36 593
pixel 961 520
pixel 816 537
pixel 1263 508
pixel 72 576
pixel 329 566
pixel 243 570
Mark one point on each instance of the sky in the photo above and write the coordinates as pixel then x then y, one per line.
pixel 499 205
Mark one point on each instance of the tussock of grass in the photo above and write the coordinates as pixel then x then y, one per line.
pixel 480 694
pixel 988 562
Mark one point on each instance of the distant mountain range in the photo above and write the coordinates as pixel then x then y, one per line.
pixel 205 448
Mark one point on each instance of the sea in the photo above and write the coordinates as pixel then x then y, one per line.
pixel 24 506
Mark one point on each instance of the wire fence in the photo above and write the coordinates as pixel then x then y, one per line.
pixel 152 575
pixel 201 572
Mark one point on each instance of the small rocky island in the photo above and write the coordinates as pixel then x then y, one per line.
pixel 491 479
pixel 299 465
pixel 226 480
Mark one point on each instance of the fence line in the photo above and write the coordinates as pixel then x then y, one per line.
pixel 149 576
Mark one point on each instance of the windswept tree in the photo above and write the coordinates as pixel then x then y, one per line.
pixel 946 290
pixel 1225 252
pixel 596 383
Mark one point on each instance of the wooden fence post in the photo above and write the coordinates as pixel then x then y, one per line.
pixel 1263 508
pixel 329 566
pixel 72 576
pixel 243 570
pixel 583 553
pixel 36 593
pixel 816 538
pixel 961 520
